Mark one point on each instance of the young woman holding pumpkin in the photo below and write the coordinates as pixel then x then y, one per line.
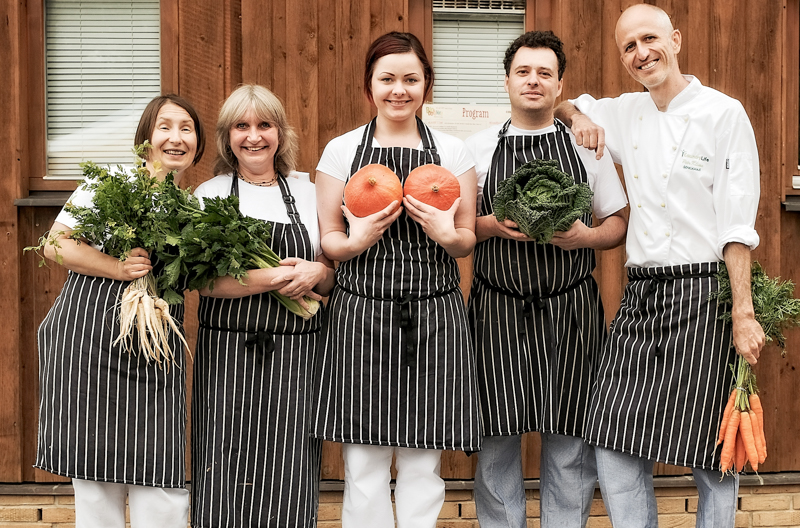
pixel 396 375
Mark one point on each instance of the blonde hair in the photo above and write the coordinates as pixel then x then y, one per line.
pixel 267 107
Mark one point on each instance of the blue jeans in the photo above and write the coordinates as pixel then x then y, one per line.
pixel 627 485
pixel 567 483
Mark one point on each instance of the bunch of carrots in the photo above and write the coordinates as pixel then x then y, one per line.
pixel 742 431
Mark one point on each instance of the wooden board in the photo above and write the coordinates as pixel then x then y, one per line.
pixel 312 56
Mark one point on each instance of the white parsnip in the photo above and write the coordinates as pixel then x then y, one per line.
pixel 142 312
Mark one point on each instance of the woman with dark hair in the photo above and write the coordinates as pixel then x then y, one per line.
pixel 396 374
pixel 253 461
pixel 112 421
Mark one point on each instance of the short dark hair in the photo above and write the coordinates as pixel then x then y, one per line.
pixel 389 44
pixel 147 123
pixel 535 40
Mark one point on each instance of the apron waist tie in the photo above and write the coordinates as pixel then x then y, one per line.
pixel 536 300
pixel 258 340
pixel 408 358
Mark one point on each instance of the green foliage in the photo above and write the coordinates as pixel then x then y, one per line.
pixel 774 304
pixel 216 241
pixel 133 209
pixel 541 199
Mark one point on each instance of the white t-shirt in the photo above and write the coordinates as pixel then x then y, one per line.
pixel 266 203
pixel 337 158
pixel 691 172
pixel 81 198
pixel 609 195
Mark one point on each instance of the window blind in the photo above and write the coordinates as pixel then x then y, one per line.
pixel 468 51
pixel 103 65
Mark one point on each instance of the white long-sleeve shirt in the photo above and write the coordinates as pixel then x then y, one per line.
pixel 691 173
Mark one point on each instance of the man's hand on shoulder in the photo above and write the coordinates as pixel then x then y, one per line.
pixel 587 133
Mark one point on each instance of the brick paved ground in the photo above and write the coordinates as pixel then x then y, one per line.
pixel 758 506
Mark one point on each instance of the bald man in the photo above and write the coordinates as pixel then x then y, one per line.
pixel 691 170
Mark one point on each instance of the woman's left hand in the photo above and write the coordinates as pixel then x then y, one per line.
pixel 302 276
pixel 437 224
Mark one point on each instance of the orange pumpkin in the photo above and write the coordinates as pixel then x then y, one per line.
pixel 371 189
pixel 433 185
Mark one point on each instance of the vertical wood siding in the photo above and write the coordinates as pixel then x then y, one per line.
pixel 311 55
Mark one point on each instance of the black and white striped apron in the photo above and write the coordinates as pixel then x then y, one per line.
pixel 104 414
pixel 535 310
pixel 663 378
pixel 396 365
pixel 253 462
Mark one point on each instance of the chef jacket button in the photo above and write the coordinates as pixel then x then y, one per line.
pixel 636 176
pixel 667 234
pixel 674 147
pixel 663 204
pixel 664 175
pixel 640 118
pixel 686 119
pixel 638 205
pixel 645 233
pixel 635 146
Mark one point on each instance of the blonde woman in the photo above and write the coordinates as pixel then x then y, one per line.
pixel 253 462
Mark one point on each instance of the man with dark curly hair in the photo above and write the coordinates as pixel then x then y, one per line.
pixel 535 311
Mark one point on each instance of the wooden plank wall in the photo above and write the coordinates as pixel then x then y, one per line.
pixel 311 55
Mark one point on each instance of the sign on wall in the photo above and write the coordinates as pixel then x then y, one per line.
pixel 464 120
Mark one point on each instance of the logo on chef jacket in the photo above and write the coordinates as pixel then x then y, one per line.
pixel 694 162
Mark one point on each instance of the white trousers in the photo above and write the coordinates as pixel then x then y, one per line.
pixel 418 492
pixel 102 505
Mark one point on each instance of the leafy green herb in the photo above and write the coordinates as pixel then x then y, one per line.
pixel 774 304
pixel 215 241
pixel 541 199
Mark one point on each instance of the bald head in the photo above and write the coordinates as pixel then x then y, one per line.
pixel 635 14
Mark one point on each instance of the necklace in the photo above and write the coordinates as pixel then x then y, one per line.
pixel 269 183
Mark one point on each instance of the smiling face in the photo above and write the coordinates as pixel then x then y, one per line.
pixel 174 140
pixel 254 143
pixel 648 45
pixel 532 83
pixel 398 86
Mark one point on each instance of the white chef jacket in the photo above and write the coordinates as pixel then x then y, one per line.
pixel 691 172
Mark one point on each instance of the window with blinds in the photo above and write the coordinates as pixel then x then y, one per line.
pixel 470 38
pixel 103 65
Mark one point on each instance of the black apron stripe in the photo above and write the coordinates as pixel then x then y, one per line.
pixel 535 367
pixel 105 415
pixel 384 375
pixel 253 461
pixel 676 352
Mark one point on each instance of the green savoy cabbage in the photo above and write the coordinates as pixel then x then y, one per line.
pixel 541 199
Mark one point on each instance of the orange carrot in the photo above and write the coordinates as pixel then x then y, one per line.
pixel 757 436
pixel 755 405
pixel 726 415
pixel 729 444
pixel 746 427
pixel 740 458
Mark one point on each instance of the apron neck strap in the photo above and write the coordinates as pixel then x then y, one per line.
pixel 283 185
